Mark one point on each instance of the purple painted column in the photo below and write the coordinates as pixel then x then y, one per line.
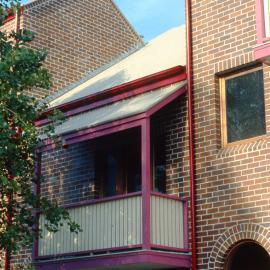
pixel 146 182
pixel 36 188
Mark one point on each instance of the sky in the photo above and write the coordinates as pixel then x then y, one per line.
pixel 152 17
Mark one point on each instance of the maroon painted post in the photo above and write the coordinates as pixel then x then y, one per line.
pixel 260 21
pixel 146 182
pixel 36 192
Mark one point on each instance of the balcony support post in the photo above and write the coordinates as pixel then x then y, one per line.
pixel 146 182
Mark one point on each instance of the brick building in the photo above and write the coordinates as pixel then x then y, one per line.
pixel 231 129
pixel 125 172
pixel 80 36
pixel 121 173
pixel 231 125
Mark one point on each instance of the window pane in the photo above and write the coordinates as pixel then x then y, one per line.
pixel 266 6
pixel 118 163
pixel 159 161
pixel 245 106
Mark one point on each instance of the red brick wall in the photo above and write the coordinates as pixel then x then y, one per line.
pixel 173 120
pixel 80 36
pixel 232 182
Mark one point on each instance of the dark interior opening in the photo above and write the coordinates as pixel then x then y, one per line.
pixel 248 255
pixel 118 163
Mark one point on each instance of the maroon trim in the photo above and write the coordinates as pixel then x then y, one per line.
pixel 174 249
pixel 262 53
pixel 118 97
pixel 168 196
pixel 186 227
pixel 8 19
pixel 133 258
pixel 96 132
pixel 108 199
pixel 87 252
pixel 135 84
pixel 191 133
pixel 112 127
pixel 260 24
pixel 12 16
pixel 167 100
pixel 146 182
pixel 126 122
pixel 36 192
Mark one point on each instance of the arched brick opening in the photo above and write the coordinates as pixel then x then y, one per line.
pixel 247 255
pixel 234 235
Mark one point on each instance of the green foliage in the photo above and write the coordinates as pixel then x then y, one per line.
pixel 21 69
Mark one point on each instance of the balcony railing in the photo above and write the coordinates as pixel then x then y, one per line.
pixel 116 224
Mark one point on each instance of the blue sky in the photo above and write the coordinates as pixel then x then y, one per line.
pixel 152 17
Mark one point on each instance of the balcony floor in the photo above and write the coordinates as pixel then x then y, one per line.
pixel 137 267
pixel 141 260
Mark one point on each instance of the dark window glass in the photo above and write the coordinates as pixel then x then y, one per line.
pixel 245 106
pixel 118 163
pixel 159 161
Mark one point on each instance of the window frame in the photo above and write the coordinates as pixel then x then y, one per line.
pixel 266 18
pixel 261 18
pixel 223 108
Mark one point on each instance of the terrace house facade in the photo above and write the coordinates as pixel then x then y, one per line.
pixel 119 173
pixel 230 44
pixel 124 172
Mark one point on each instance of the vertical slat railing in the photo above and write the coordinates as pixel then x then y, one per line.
pixel 168 222
pixel 105 225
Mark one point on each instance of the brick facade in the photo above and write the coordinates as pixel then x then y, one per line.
pixel 80 36
pixel 233 181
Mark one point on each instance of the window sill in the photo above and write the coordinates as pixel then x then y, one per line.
pixel 245 146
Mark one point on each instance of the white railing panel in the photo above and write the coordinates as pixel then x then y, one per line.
pixel 105 225
pixel 167 222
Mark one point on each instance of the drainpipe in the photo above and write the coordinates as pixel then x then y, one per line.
pixel 190 131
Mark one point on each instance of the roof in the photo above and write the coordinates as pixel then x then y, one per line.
pixel 118 110
pixel 164 52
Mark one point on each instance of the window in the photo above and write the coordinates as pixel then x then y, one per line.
pixel 158 161
pixel 118 163
pixel 266 10
pixel 242 106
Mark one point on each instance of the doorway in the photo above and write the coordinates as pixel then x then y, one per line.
pixel 247 255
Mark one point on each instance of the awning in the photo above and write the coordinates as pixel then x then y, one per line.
pixel 118 110
pixel 164 52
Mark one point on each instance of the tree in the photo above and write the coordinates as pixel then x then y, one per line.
pixel 21 70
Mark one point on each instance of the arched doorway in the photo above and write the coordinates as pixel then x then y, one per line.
pixel 247 255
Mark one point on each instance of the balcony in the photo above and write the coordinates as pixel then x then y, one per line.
pixel 132 224
pixel 115 226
